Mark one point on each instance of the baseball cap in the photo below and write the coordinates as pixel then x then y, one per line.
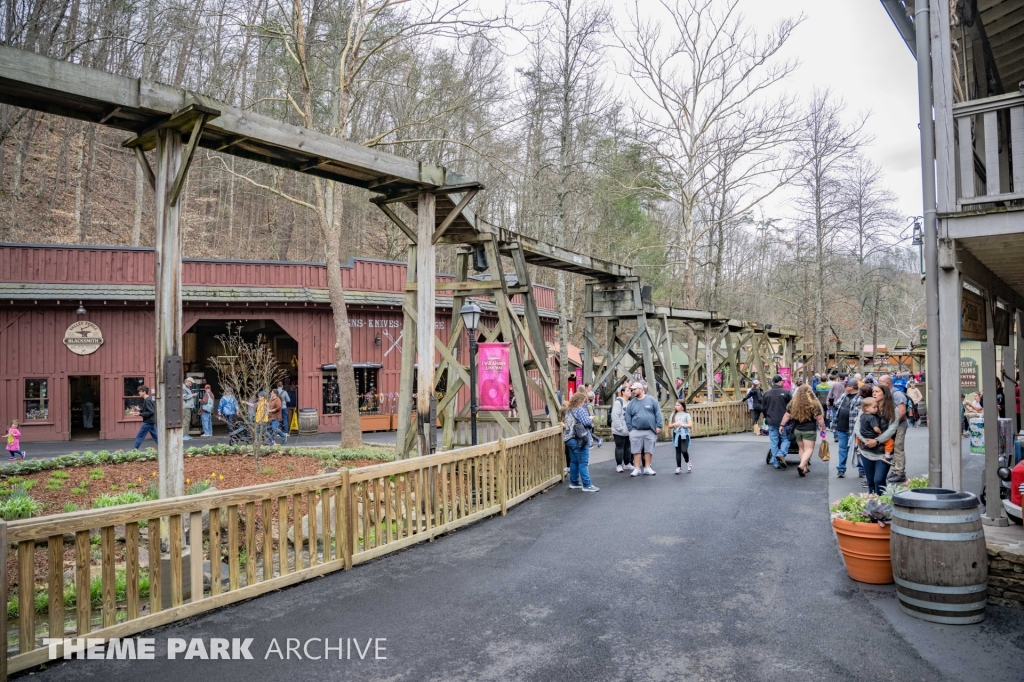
pixel 777 379
pixel 756 382
pixel 851 382
pixel 636 385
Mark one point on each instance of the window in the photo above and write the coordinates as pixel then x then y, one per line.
pixel 366 389
pixel 37 402
pixel 132 401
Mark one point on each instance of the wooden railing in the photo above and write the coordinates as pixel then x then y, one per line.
pixel 256 539
pixel 982 158
pixel 712 419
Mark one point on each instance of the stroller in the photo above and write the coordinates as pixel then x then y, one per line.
pixel 794 449
pixel 242 433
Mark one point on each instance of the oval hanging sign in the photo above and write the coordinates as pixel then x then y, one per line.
pixel 83 338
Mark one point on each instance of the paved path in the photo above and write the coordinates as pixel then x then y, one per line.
pixel 728 573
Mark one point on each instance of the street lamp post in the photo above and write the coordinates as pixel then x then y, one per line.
pixel 471 320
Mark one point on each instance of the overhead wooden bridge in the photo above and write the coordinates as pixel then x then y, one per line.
pixel 174 122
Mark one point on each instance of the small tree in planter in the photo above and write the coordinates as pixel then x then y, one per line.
pixel 248 368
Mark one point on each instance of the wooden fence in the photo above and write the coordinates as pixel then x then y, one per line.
pixel 714 419
pixel 261 538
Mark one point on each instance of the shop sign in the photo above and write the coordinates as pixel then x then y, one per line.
pixel 968 375
pixel 83 338
pixel 972 317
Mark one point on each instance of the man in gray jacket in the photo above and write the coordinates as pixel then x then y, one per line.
pixel 188 398
pixel 620 432
pixel 644 421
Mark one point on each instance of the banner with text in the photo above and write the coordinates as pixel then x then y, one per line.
pixel 493 375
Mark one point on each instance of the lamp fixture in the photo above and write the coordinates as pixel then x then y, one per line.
pixel 81 309
pixel 376 340
pixel 470 316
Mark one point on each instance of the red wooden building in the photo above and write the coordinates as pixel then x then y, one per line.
pixel 44 289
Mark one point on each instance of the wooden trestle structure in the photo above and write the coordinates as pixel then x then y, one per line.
pixel 174 122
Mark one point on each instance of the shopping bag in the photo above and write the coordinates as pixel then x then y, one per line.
pixel 823 451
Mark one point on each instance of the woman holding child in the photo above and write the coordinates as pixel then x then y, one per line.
pixel 876 427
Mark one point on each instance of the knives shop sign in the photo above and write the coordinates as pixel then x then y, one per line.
pixel 83 338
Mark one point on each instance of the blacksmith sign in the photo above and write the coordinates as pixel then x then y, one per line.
pixel 83 338
pixel 972 317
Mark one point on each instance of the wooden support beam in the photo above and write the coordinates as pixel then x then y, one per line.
pixel 455 212
pixel 186 161
pixel 147 170
pixel 425 309
pixel 390 213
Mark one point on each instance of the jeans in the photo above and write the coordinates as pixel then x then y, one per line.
pixel 579 462
pixel 875 472
pixel 284 420
pixel 207 419
pixel 187 422
pixel 622 457
pixel 275 429
pixel 88 412
pixel 779 442
pixel 143 430
pixel 844 450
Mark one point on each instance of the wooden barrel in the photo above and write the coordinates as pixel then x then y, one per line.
pixel 309 421
pixel 939 561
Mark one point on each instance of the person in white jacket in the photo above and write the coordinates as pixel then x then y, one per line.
pixel 620 432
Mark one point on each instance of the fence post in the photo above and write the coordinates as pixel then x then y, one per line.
pixel 502 476
pixel 3 619
pixel 345 527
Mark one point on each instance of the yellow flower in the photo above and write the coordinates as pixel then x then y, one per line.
pixel 188 480
pixel 154 474
pixel 222 477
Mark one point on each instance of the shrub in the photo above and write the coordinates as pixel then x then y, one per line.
pixel 42 597
pixel 70 507
pixel 199 487
pixel 78 491
pixel 20 508
pixel 863 508
pixel 63 475
pixel 96 474
pixel 127 497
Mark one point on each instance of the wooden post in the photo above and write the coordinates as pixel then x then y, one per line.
pixel 502 476
pixel 345 529
pixel 1020 353
pixel 425 280
pixel 588 346
pixel 409 335
pixel 993 514
pixel 709 362
pixel 4 549
pixel 170 452
pixel 950 287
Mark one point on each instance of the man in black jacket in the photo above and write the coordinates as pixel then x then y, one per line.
pixel 148 414
pixel 774 403
pixel 753 398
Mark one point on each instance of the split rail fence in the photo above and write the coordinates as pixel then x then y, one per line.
pixel 261 538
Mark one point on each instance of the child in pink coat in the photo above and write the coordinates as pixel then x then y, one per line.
pixel 13 441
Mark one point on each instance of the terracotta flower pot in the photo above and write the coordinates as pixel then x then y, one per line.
pixel 865 548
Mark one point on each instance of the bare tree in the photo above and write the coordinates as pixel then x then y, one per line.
pixel 828 146
pixel 248 369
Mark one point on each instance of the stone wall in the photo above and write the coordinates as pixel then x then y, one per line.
pixel 1005 573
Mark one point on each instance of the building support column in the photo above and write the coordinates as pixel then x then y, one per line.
pixel 948 430
pixel 406 431
pixel 709 362
pixel 1020 360
pixel 993 514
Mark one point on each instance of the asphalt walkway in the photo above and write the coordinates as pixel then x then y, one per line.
pixel 728 573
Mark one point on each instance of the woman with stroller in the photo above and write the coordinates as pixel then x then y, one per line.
pixel 808 418
pixel 227 409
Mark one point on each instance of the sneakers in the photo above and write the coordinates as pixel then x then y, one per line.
pixel 782 463
pixel 863 484
pixel 860 474
pixel 591 489
pixel 627 467
pixel 840 474
pixel 565 470
pixel 618 469
pixel 575 486
pixel 899 478
pixel 186 437
pixel 679 470
pixel 648 471
pixel 636 472
pixel 689 468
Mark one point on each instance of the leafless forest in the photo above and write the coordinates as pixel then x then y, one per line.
pixel 660 142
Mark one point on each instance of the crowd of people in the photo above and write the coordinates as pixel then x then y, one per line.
pixel 264 416
pixel 868 417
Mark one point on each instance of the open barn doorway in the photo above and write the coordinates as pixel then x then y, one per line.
pixel 200 343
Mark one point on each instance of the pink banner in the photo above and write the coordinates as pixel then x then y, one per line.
pixel 787 378
pixel 493 375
